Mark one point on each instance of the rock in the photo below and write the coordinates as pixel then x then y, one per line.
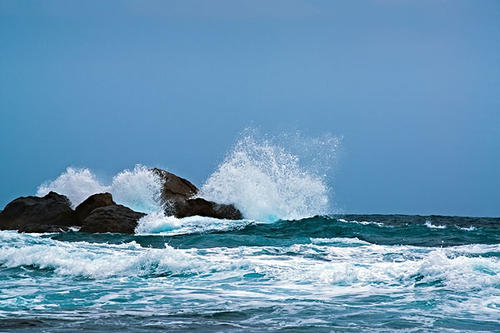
pixel 174 187
pixel 41 228
pixel 38 214
pixel 177 197
pixel 94 201
pixel 202 207
pixel 115 218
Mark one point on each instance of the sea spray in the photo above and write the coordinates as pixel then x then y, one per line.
pixel 138 189
pixel 263 179
pixel 267 182
pixel 77 184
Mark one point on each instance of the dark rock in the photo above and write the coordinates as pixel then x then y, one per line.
pixel 202 207
pixel 43 228
pixel 115 218
pixel 174 187
pixel 94 201
pixel 177 197
pixel 38 214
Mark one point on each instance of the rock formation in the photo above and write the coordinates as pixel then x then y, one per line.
pixel 174 187
pixel 202 207
pixel 38 214
pixel 115 218
pixel 99 213
pixel 94 201
pixel 177 196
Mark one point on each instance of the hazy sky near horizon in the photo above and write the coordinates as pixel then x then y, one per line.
pixel 412 87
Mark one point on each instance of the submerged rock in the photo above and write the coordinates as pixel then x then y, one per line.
pixel 177 197
pixel 114 218
pixel 38 214
pixel 94 201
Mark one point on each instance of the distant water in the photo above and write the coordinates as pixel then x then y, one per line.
pixel 342 273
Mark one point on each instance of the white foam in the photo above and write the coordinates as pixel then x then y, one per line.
pixel 428 224
pixel 267 183
pixel 138 189
pixel 76 184
pixel 264 180
pixel 98 260
pixel 471 228
pixel 351 268
pixel 159 223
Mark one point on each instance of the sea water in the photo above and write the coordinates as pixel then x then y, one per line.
pixel 289 266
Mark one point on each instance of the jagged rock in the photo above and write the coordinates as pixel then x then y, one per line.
pixel 38 214
pixel 177 196
pixel 115 218
pixel 94 201
pixel 202 207
pixel 174 187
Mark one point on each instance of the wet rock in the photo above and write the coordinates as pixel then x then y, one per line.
pixel 202 207
pixel 94 201
pixel 177 197
pixel 174 187
pixel 114 218
pixel 38 214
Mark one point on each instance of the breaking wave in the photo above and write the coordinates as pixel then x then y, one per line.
pixel 138 189
pixel 260 177
pixel 267 182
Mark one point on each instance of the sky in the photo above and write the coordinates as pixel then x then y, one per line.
pixel 412 87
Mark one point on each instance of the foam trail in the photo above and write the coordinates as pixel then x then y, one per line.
pixel 138 189
pixel 267 183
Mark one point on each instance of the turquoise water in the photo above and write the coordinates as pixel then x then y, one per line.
pixel 330 273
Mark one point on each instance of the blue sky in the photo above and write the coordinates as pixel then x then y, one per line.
pixel 413 87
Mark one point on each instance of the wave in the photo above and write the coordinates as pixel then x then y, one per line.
pixel 138 189
pixel 338 262
pixel 157 223
pixel 267 182
pixel 263 179
pixel 410 231
pixel 93 260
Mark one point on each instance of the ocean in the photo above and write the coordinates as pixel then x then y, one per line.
pixel 347 273
pixel 290 265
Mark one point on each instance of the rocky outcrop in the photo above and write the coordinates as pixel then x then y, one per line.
pixel 99 213
pixel 38 214
pixel 174 187
pixel 94 201
pixel 202 207
pixel 177 196
pixel 114 218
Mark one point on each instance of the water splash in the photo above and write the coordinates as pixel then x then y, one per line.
pixel 138 189
pixel 267 182
pixel 263 179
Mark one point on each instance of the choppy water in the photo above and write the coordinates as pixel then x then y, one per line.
pixel 340 273
pixel 288 273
